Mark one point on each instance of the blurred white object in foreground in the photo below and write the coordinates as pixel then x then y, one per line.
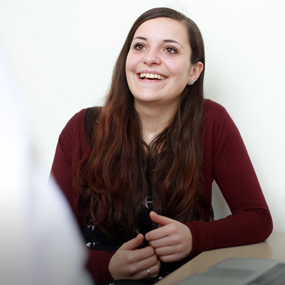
pixel 39 241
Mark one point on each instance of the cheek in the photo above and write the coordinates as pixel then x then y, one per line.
pixel 128 69
pixel 178 68
pixel 131 62
pixel 183 71
pixel 129 65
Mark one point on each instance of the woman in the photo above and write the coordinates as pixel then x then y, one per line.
pixel 138 172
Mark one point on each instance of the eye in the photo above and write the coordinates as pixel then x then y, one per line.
pixel 171 50
pixel 139 47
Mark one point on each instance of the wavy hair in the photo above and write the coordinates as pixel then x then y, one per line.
pixel 120 170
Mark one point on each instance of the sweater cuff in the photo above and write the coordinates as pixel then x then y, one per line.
pixel 200 242
pixel 97 265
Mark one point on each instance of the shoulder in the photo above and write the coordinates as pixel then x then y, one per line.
pixel 77 118
pixel 80 119
pixel 74 123
pixel 216 114
pixel 74 131
pixel 217 120
pixel 214 110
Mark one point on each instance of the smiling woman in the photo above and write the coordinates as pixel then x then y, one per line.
pixel 138 172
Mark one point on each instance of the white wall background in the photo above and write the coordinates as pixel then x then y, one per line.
pixel 62 53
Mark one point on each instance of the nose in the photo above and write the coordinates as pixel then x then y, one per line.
pixel 152 57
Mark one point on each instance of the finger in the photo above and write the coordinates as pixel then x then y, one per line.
pixel 159 233
pixel 152 265
pixel 133 243
pixel 166 250
pixel 153 271
pixel 145 253
pixel 147 263
pixel 171 258
pixel 161 242
pixel 161 220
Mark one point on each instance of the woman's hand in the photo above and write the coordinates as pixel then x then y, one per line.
pixel 131 263
pixel 172 241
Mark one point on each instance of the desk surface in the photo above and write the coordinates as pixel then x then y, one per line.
pixel 272 248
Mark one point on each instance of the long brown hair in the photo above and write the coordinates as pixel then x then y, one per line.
pixel 114 177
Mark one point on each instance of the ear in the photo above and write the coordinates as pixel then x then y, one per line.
pixel 195 72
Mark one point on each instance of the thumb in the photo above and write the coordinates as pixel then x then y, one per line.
pixel 158 219
pixel 133 243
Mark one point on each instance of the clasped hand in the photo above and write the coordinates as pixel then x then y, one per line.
pixel 168 243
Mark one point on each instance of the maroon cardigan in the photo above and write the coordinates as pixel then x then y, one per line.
pixel 225 160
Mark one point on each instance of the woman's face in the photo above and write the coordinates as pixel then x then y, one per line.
pixel 158 65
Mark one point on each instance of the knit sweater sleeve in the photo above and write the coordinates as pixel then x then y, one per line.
pixel 227 162
pixel 71 148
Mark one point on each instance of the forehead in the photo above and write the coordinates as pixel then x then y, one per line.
pixel 163 28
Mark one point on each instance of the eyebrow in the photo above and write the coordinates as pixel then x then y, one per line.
pixel 165 41
pixel 173 41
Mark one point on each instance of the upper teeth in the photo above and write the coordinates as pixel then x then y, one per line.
pixel 151 75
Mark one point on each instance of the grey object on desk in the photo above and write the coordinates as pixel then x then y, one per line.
pixel 240 271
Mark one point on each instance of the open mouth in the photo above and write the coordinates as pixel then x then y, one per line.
pixel 151 76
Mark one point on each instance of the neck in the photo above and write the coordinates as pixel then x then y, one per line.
pixel 154 119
